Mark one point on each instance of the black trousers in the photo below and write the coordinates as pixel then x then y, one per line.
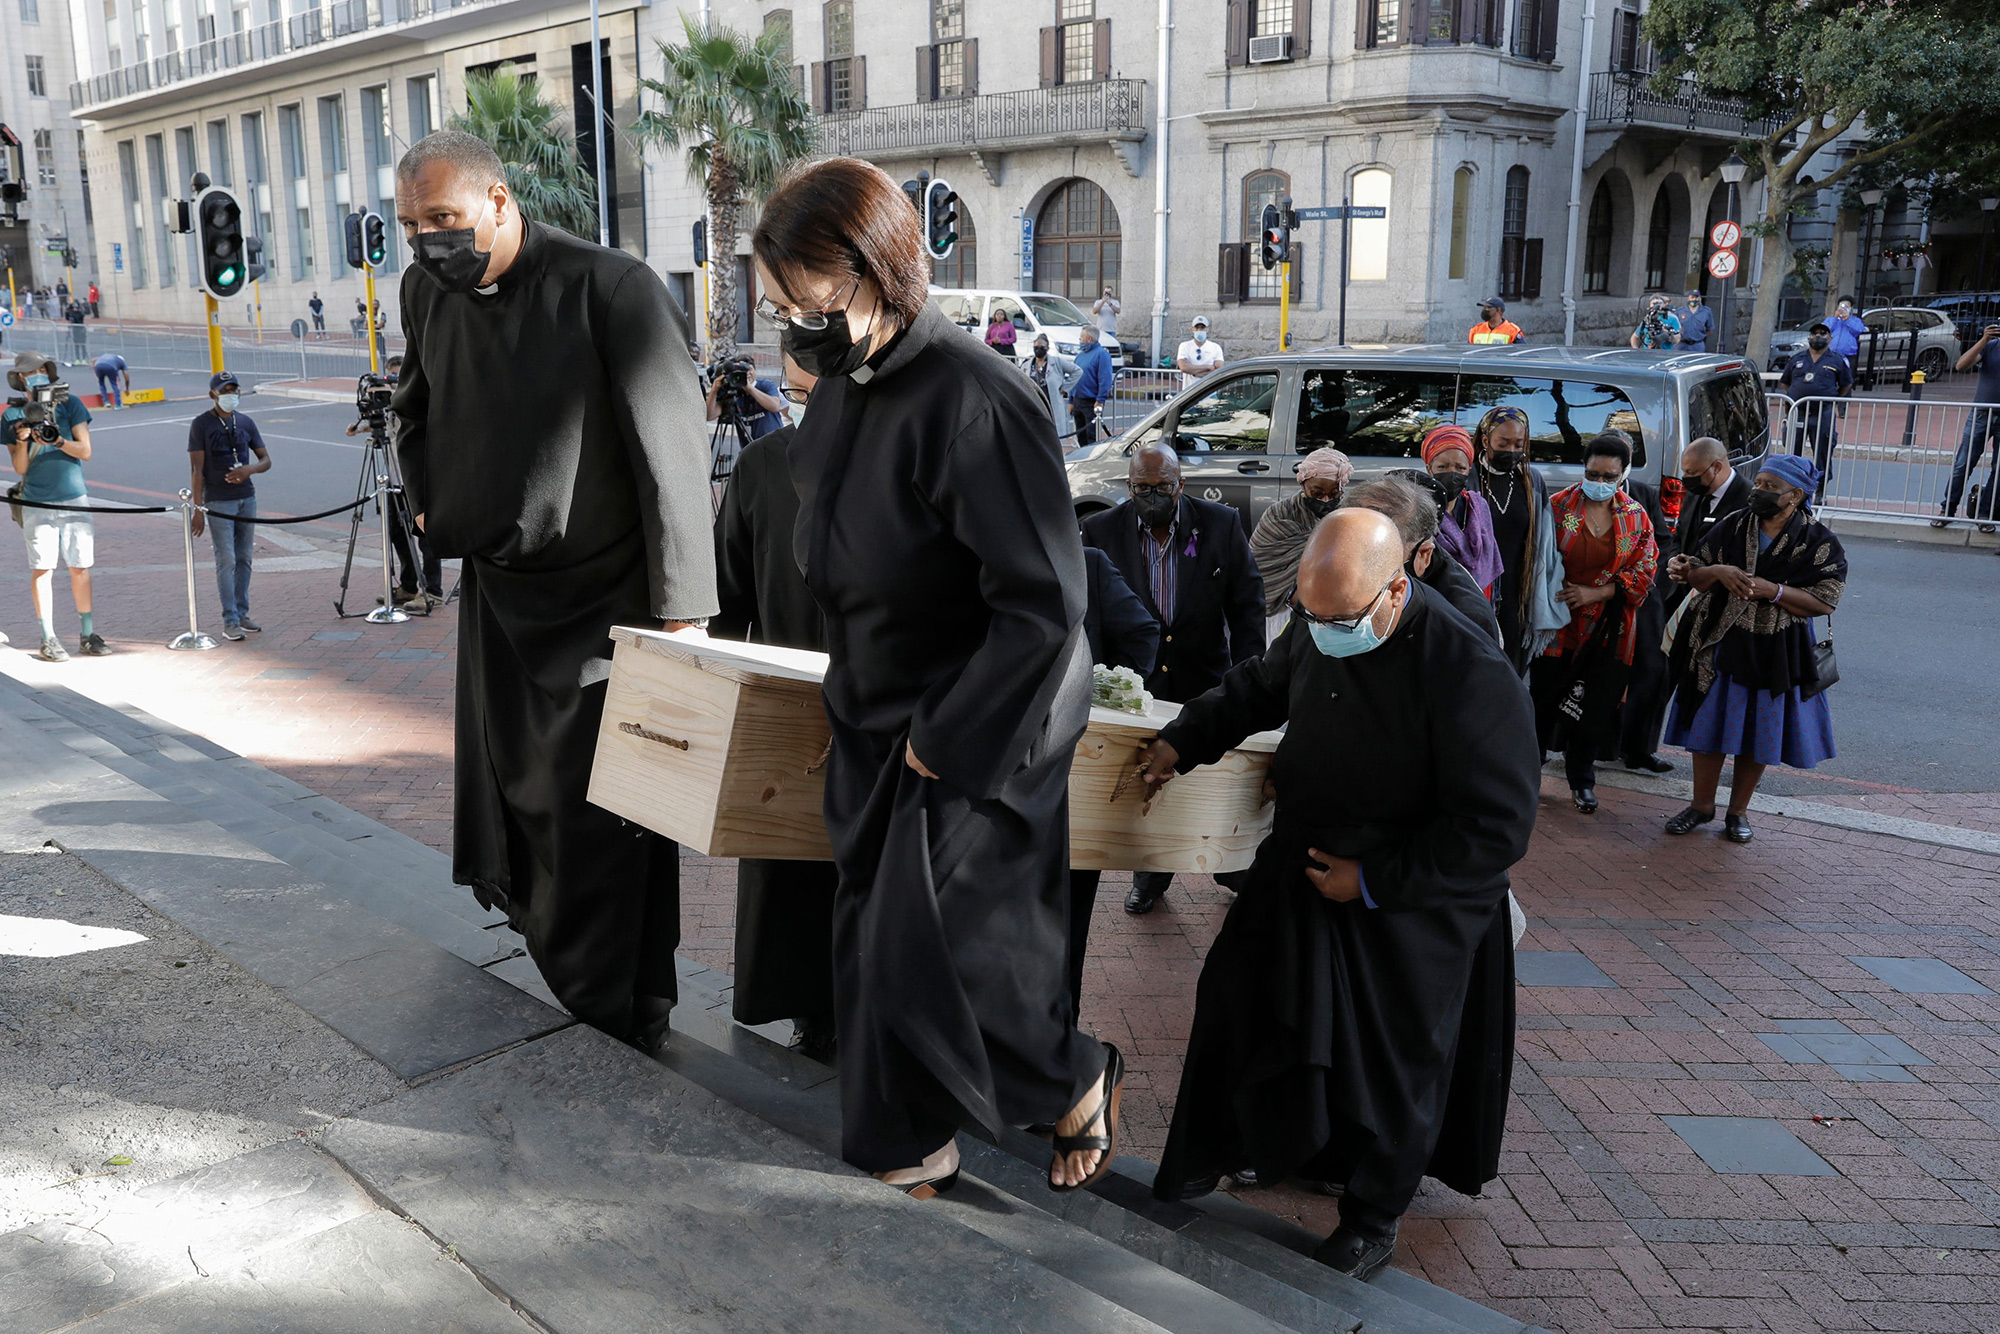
pixel 1579 740
pixel 407 561
pixel 1083 411
pixel 1082 903
pixel 1644 712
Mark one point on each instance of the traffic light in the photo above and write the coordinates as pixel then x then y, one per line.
pixel 940 219
pixel 218 227
pixel 354 255
pixel 253 256
pixel 374 239
pixel 1277 238
pixel 701 243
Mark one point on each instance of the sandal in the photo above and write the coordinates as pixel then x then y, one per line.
pixel 1111 1088
pixel 930 1190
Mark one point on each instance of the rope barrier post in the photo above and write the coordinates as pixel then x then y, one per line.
pixel 193 638
pixel 388 613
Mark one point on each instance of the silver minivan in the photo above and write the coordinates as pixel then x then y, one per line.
pixel 1242 431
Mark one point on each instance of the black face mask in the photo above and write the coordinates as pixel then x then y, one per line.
pixel 1155 511
pixel 1504 460
pixel 1319 509
pixel 1819 342
pixel 1694 484
pixel 825 352
pixel 1765 504
pixel 1452 483
pixel 453 258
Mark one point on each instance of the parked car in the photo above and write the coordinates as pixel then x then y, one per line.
pixel 1937 345
pixel 1032 313
pixel 1969 312
pixel 1242 431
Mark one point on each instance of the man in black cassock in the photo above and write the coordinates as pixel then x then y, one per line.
pixel 550 434
pixel 784 909
pixel 1354 1022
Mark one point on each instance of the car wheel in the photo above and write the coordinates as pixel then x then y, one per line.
pixel 1931 362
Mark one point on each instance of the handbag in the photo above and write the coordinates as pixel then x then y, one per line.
pixel 14 494
pixel 1825 667
pixel 1571 704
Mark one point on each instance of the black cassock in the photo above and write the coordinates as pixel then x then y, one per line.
pixel 1338 1041
pixel 551 435
pixel 936 534
pixel 784 910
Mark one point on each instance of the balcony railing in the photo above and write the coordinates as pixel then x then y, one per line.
pixel 1624 98
pixel 302 31
pixel 1109 108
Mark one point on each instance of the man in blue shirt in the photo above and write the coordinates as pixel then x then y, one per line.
pixel 1981 426
pixel 1659 331
pixel 762 394
pixel 1697 324
pixel 225 450
pixel 114 379
pixel 1095 383
pixel 52 473
pixel 1818 372
pixel 1846 328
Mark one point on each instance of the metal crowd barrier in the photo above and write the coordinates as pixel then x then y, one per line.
pixel 276 356
pixel 1137 391
pixel 1896 457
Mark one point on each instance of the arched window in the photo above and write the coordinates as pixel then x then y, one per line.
pixel 1597 242
pixel 778 28
pixel 1076 242
pixel 1261 188
pixel 1368 260
pixel 960 268
pixel 1659 241
pixel 1461 220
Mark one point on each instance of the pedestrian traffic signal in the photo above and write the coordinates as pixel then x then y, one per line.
pixel 940 219
pixel 701 243
pixel 354 256
pixel 1276 243
pixel 253 255
pixel 218 227
pixel 374 239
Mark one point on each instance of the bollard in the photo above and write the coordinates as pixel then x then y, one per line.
pixel 1915 389
pixel 388 613
pixel 193 638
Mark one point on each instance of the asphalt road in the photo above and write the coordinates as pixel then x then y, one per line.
pixel 1918 636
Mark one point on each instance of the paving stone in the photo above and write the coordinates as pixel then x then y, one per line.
pixel 1558 968
pixel 337 636
pixel 1748 1145
pixel 287 673
pixel 1932 977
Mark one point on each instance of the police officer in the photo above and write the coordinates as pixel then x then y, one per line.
pixel 1818 372
pixel 1697 324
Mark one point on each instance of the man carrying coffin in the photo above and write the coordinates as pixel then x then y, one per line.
pixel 550 432
pixel 1354 1022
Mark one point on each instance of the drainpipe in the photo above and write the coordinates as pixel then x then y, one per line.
pixel 1162 116
pixel 1576 173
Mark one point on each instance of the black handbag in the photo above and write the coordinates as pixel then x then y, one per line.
pixel 1825 667
pixel 1572 702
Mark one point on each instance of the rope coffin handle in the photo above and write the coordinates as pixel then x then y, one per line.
pixel 825 754
pixel 647 734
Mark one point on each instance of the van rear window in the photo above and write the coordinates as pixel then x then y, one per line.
pixel 1731 408
pixel 1563 415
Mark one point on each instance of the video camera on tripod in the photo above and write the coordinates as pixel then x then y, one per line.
pixel 732 377
pixel 371 398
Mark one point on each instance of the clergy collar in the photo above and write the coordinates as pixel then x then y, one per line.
pixel 904 347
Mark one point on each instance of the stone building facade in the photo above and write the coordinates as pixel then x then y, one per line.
pixel 37 65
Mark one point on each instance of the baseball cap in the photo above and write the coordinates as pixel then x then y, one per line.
pixel 1494 302
pixel 1694 291
pixel 219 379
pixel 1819 326
pixel 1199 322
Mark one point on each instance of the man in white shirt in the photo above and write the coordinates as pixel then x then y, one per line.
pixel 1106 310
pixel 1200 356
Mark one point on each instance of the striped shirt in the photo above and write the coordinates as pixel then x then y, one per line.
pixel 1162 570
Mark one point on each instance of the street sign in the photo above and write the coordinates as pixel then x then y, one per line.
pixel 1724 235
pixel 299 326
pixel 1722 264
pixel 1027 251
pixel 6 318
pixel 1335 212
pixel 118 257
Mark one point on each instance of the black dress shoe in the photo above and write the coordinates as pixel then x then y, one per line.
pixel 1648 764
pixel 1140 899
pixel 1244 1176
pixel 1585 799
pixel 1354 1254
pixel 1736 828
pixel 815 1039
pixel 1688 820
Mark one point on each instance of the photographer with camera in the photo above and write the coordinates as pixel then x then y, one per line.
pixel 48 437
pixel 1659 329
pixel 758 401
pixel 225 450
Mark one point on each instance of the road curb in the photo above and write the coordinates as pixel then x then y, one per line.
pixel 1914 529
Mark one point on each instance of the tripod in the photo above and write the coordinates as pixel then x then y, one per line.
pixel 726 443
pixel 381 474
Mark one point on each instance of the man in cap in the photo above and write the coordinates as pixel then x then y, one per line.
pixel 1200 356
pixel 1494 326
pixel 225 450
pixel 1697 323
pixel 1819 372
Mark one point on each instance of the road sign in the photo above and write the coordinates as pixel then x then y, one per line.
pixel 6 318
pixel 1335 212
pixel 1724 235
pixel 1028 251
pixel 1722 264
pixel 298 329
pixel 118 257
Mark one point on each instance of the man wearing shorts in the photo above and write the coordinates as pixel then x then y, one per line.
pixel 52 473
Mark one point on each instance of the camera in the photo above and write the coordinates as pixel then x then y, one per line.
pixel 38 409
pixel 371 397
pixel 1654 329
pixel 732 375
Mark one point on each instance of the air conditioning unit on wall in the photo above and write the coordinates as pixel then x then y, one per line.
pixel 1270 50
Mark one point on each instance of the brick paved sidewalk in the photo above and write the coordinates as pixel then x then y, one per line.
pixel 1662 978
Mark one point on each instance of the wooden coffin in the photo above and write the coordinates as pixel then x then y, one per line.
pixel 719 745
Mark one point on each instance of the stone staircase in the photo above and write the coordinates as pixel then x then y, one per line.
pixel 565 1181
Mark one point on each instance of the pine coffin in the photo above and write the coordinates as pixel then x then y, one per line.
pixel 719 746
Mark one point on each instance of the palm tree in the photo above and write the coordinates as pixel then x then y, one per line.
pixel 728 101
pixel 537 147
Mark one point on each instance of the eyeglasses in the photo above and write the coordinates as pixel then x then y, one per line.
pixel 805 319
pixel 794 394
pixel 1153 488
pixel 1339 622
pixel 1590 476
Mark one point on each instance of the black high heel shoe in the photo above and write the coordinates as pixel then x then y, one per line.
pixel 1111 1089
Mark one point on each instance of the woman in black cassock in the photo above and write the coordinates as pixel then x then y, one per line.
pixel 935 531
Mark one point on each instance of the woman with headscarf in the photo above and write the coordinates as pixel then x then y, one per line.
pixel 1281 534
pixel 1524 532
pixel 1465 524
pixel 1743 652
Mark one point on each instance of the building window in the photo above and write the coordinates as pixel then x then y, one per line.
pixel 204 22
pixel 333 165
pixel 378 140
pixel 1597 242
pixel 184 158
pixel 239 15
pixel 45 157
pixel 1368 260
pixel 1077 242
pixel 142 33
pixel 135 212
pixel 156 172
pixel 1378 23
pixel 839 92
pixel 1079 39
pixel 83 177
pixel 1261 188
pixel 1631 53
pixel 38 78
pixel 1659 240
pixel 425 115
pixel 31 11
pixel 292 151
pixel 960 268
pixel 1461 220
pixel 1272 18
pixel 778 31
pixel 218 152
pixel 1535 29
pixel 257 184
pixel 1520 258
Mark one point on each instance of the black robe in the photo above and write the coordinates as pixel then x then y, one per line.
pixel 939 540
pixel 1449 579
pixel 1338 1041
pixel 550 433
pixel 784 910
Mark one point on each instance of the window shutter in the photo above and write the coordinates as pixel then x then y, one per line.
pixel 1236 33
pixel 860 96
pixel 1296 254
pixel 1051 54
pixel 1531 269
pixel 1302 28
pixel 1101 57
pixel 1364 24
pixel 1416 23
pixel 927 74
pixel 1621 40
pixel 1231 259
pixel 822 89
pixel 799 79
pixel 1545 48
pixel 972 67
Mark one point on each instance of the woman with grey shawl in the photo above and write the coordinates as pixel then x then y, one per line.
pixel 1280 539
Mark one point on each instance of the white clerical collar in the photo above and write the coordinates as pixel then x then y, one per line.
pixel 489 289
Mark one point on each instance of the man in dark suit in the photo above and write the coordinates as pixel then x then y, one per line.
pixel 1190 561
pixel 1714 491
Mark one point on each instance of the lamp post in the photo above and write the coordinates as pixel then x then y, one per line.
pixel 1986 207
pixel 1869 199
pixel 1733 170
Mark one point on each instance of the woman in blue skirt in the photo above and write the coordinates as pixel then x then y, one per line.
pixel 1743 651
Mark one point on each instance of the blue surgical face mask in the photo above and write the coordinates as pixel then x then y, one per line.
pixel 36 381
pixel 1599 491
pixel 228 402
pixel 1201 335
pixel 1339 641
